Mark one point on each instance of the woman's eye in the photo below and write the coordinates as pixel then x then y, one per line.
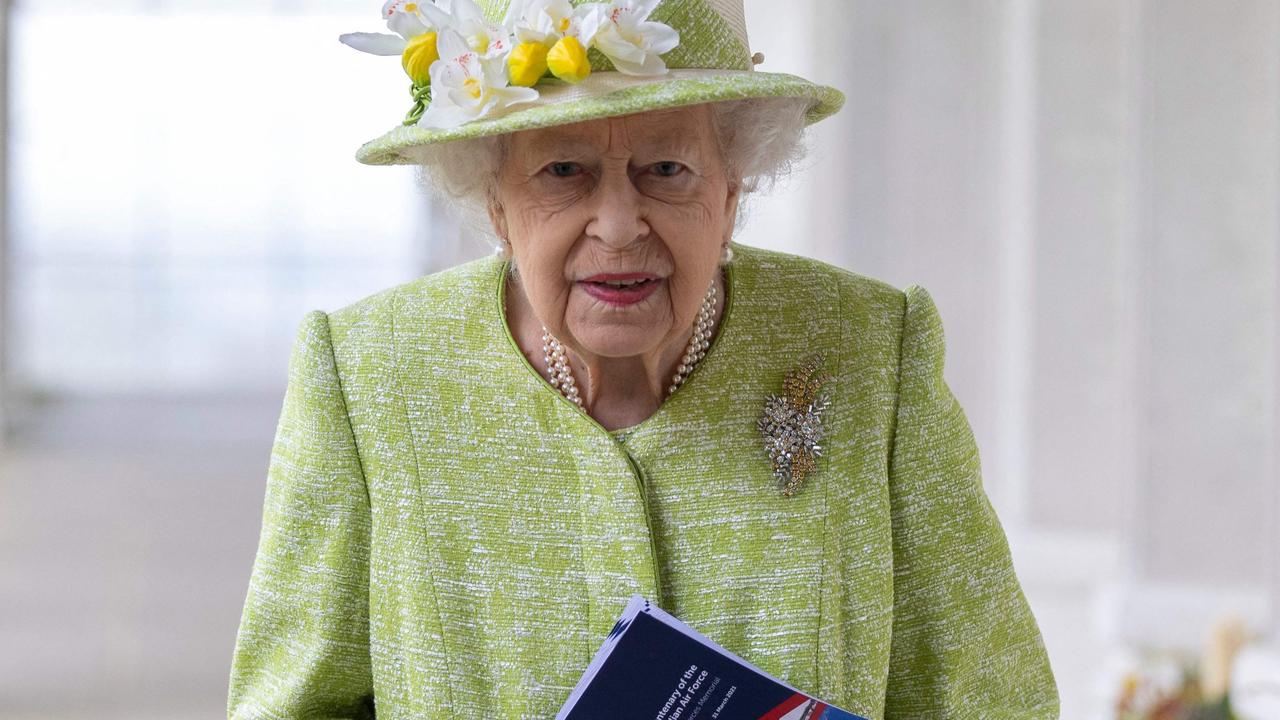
pixel 668 168
pixel 563 169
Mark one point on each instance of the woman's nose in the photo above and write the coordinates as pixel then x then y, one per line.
pixel 619 214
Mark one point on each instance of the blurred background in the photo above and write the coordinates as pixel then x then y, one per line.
pixel 1090 189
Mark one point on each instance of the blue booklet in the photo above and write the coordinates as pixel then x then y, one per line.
pixel 654 667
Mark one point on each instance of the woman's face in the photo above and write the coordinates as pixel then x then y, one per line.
pixel 640 194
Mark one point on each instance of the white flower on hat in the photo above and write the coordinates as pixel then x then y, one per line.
pixel 464 16
pixel 466 85
pixel 546 21
pixel 631 41
pixel 417 26
pixel 554 35
pixel 410 20
pixel 403 17
pixel 465 67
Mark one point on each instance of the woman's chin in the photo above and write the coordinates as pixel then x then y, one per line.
pixel 618 342
pixel 608 335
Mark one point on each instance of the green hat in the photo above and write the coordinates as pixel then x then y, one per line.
pixel 500 66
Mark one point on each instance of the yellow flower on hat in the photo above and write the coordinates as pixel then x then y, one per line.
pixel 565 31
pixel 419 54
pixel 527 63
pixel 568 60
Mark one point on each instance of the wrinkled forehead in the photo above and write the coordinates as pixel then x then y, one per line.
pixel 687 128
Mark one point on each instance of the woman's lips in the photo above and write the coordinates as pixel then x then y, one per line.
pixel 635 287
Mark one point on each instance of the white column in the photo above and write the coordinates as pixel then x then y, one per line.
pixel 1015 271
pixel 1076 286
pixel 1273 472
pixel 4 223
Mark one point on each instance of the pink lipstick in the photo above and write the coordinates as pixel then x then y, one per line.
pixel 621 289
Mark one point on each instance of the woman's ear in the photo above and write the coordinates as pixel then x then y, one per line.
pixel 498 218
pixel 731 207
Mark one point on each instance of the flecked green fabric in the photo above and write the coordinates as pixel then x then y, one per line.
pixel 445 536
pixel 706 43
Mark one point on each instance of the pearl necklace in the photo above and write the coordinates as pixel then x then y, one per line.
pixel 561 377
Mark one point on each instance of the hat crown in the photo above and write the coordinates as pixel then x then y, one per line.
pixel 713 33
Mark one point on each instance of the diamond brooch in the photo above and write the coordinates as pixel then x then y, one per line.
pixel 792 424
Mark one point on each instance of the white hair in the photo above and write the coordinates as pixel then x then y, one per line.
pixel 761 141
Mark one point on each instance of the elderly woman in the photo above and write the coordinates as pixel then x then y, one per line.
pixel 474 470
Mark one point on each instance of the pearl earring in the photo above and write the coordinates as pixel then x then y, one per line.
pixel 503 249
pixel 727 255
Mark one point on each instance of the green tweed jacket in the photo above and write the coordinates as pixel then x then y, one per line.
pixel 445 536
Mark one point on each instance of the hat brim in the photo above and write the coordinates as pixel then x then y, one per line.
pixel 608 94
